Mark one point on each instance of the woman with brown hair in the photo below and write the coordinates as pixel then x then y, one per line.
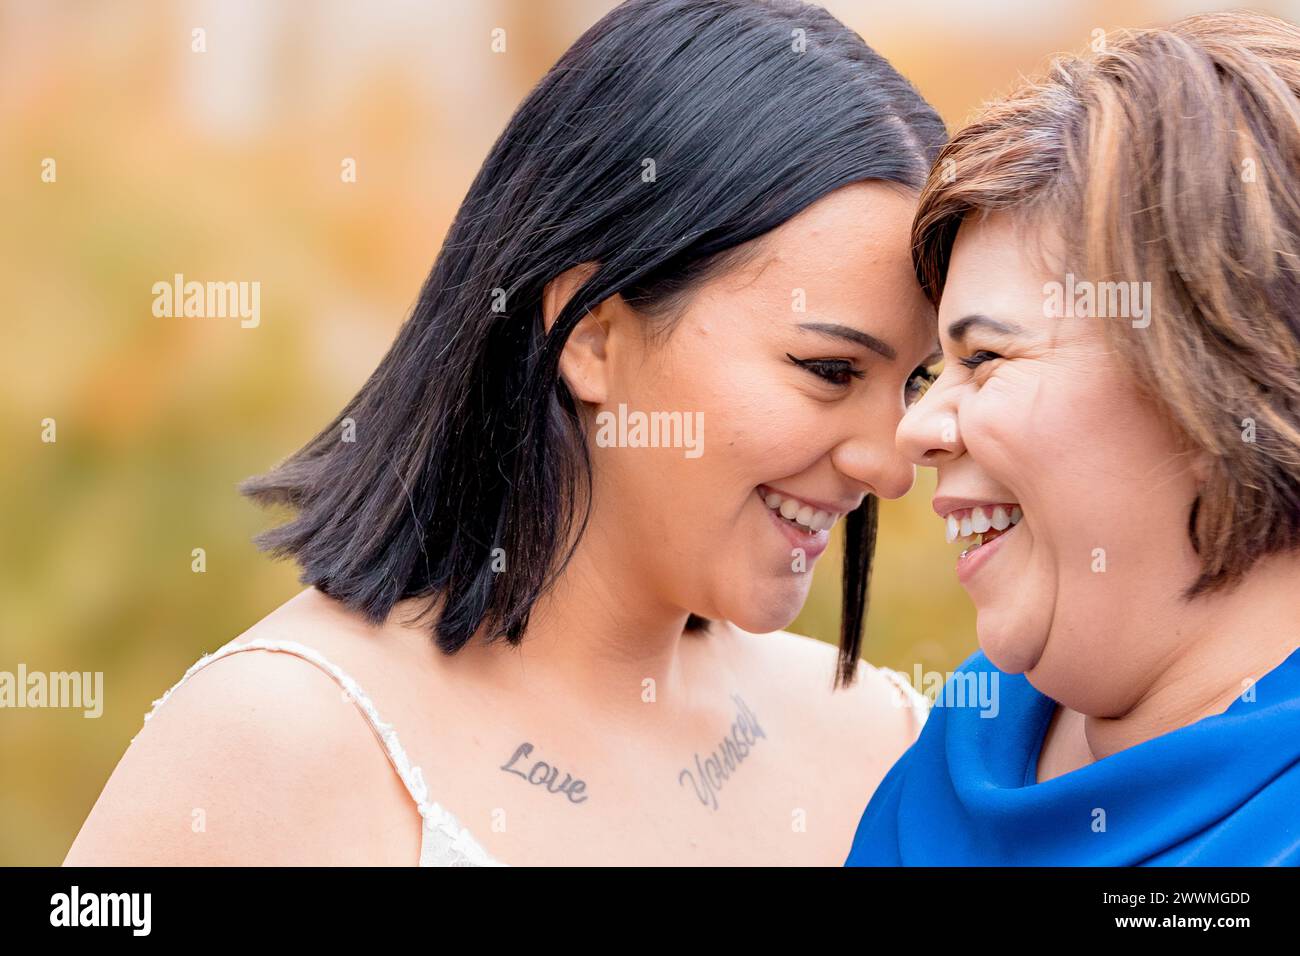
pixel 1116 431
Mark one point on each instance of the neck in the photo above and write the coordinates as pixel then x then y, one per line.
pixel 1217 646
pixel 601 640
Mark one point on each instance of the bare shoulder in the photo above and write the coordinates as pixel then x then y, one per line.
pixel 258 758
pixel 877 711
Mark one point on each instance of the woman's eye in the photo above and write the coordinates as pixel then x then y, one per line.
pixel 835 371
pixel 979 358
pixel 918 383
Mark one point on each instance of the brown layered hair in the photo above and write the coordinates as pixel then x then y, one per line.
pixel 1172 157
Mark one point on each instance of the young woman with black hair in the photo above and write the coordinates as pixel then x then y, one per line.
pixel 550 544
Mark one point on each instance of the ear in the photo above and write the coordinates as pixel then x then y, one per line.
pixel 1200 463
pixel 584 363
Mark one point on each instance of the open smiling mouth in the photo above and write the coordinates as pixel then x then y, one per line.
pixel 975 527
pixel 803 516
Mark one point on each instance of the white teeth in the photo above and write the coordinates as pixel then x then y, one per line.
pixel 796 511
pixel 980 520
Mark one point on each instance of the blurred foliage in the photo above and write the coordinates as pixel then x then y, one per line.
pixel 226 164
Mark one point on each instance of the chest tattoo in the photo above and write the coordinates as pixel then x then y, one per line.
pixel 716 768
pixel 542 774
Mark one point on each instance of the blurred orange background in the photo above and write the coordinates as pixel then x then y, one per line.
pixel 226 163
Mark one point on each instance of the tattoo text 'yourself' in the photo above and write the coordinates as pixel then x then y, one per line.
pixel 713 770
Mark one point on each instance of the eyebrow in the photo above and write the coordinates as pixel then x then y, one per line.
pixel 853 335
pixel 957 331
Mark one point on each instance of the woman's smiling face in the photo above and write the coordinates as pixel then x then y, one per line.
pixel 798 362
pixel 1035 413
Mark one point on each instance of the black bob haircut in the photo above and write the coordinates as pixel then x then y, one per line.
pixel 466 438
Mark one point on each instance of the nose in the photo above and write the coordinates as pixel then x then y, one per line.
pixel 929 433
pixel 875 461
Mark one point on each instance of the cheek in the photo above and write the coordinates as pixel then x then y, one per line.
pixel 779 433
pixel 738 423
pixel 1097 472
pixel 759 425
pixel 1059 438
pixel 1035 431
pixel 1012 426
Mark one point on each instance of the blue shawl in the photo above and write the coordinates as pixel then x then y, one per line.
pixel 1224 791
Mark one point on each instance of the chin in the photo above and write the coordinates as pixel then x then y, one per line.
pixel 766 615
pixel 1012 646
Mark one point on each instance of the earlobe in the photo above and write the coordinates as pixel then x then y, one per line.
pixel 1201 466
pixel 584 362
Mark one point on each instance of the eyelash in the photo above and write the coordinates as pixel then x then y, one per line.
pixel 829 370
pixel 979 358
pixel 927 378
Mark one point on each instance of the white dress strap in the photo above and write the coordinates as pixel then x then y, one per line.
pixel 410 776
pixel 909 695
pixel 444 841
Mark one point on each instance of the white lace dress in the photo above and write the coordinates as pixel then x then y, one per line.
pixel 443 841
